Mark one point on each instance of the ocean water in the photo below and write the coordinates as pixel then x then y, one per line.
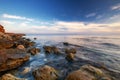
pixel 100 49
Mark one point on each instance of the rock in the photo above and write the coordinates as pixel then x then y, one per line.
pixel 35 38
pixel 10 77
pixel 20 47
pixel 4 36
pixel 34 51
pixel 65 43
pixel 2 29
pixel 47 49
pixel 70 57
pixel 88 72
pixel 71 50
pixel 45 73
pixel 96 72
pixel 55 50
pixel 13 58
pixel 79 75
pixel 5 44
pixel 26 70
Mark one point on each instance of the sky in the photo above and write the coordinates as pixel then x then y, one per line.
pixel 61 16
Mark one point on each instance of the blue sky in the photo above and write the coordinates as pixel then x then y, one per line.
pixel 61 16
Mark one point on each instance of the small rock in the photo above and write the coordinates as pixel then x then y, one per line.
pixel 47 49
pixel 34 51
pixel 55 50
pixel 26 70
pixel 71 50
pixel 65 43
pixel 45 73
pixel 20 47
pixel 70 57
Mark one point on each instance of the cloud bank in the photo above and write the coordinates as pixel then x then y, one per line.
pixel 60 27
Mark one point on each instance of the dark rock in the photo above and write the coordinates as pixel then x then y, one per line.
pixel 34 51
pixel 45 73
pixel 65 43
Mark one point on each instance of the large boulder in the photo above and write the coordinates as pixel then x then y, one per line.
pixel 47 49
pixel 45 73
pixel 12 58
pixel 2 29
pixel 10 77
pixel 88 72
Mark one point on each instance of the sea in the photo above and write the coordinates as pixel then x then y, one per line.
pixel 99 49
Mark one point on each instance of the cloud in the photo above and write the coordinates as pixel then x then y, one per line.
pixel 90 15
pixel 113 19
pixel 99 16
pixel 6 22
pixel 63 26
pixel 16 17
pixel 116 7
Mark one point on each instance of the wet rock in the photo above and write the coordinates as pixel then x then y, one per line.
pixel 65 43
pixel 88 72
pixel 47 49
pixel 34 51
pixel 26 70
pixel 96 72
pixel 10 77
pixel 45 73
pixel 20 47
pixel 70 57
pixel 71 50
pixel 13 58
pixel 55 50
pixel 35 38
pixel 79 75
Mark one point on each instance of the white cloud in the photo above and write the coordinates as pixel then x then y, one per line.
pixel 6 22
pixel 16 17
pixel 91 15
pixel 116 7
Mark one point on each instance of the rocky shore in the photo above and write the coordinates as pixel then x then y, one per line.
pixel 16 50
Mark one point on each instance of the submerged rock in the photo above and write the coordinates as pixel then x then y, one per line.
pixel 13 58
pixel 34 51
pixel 45 73
pixel 10 77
